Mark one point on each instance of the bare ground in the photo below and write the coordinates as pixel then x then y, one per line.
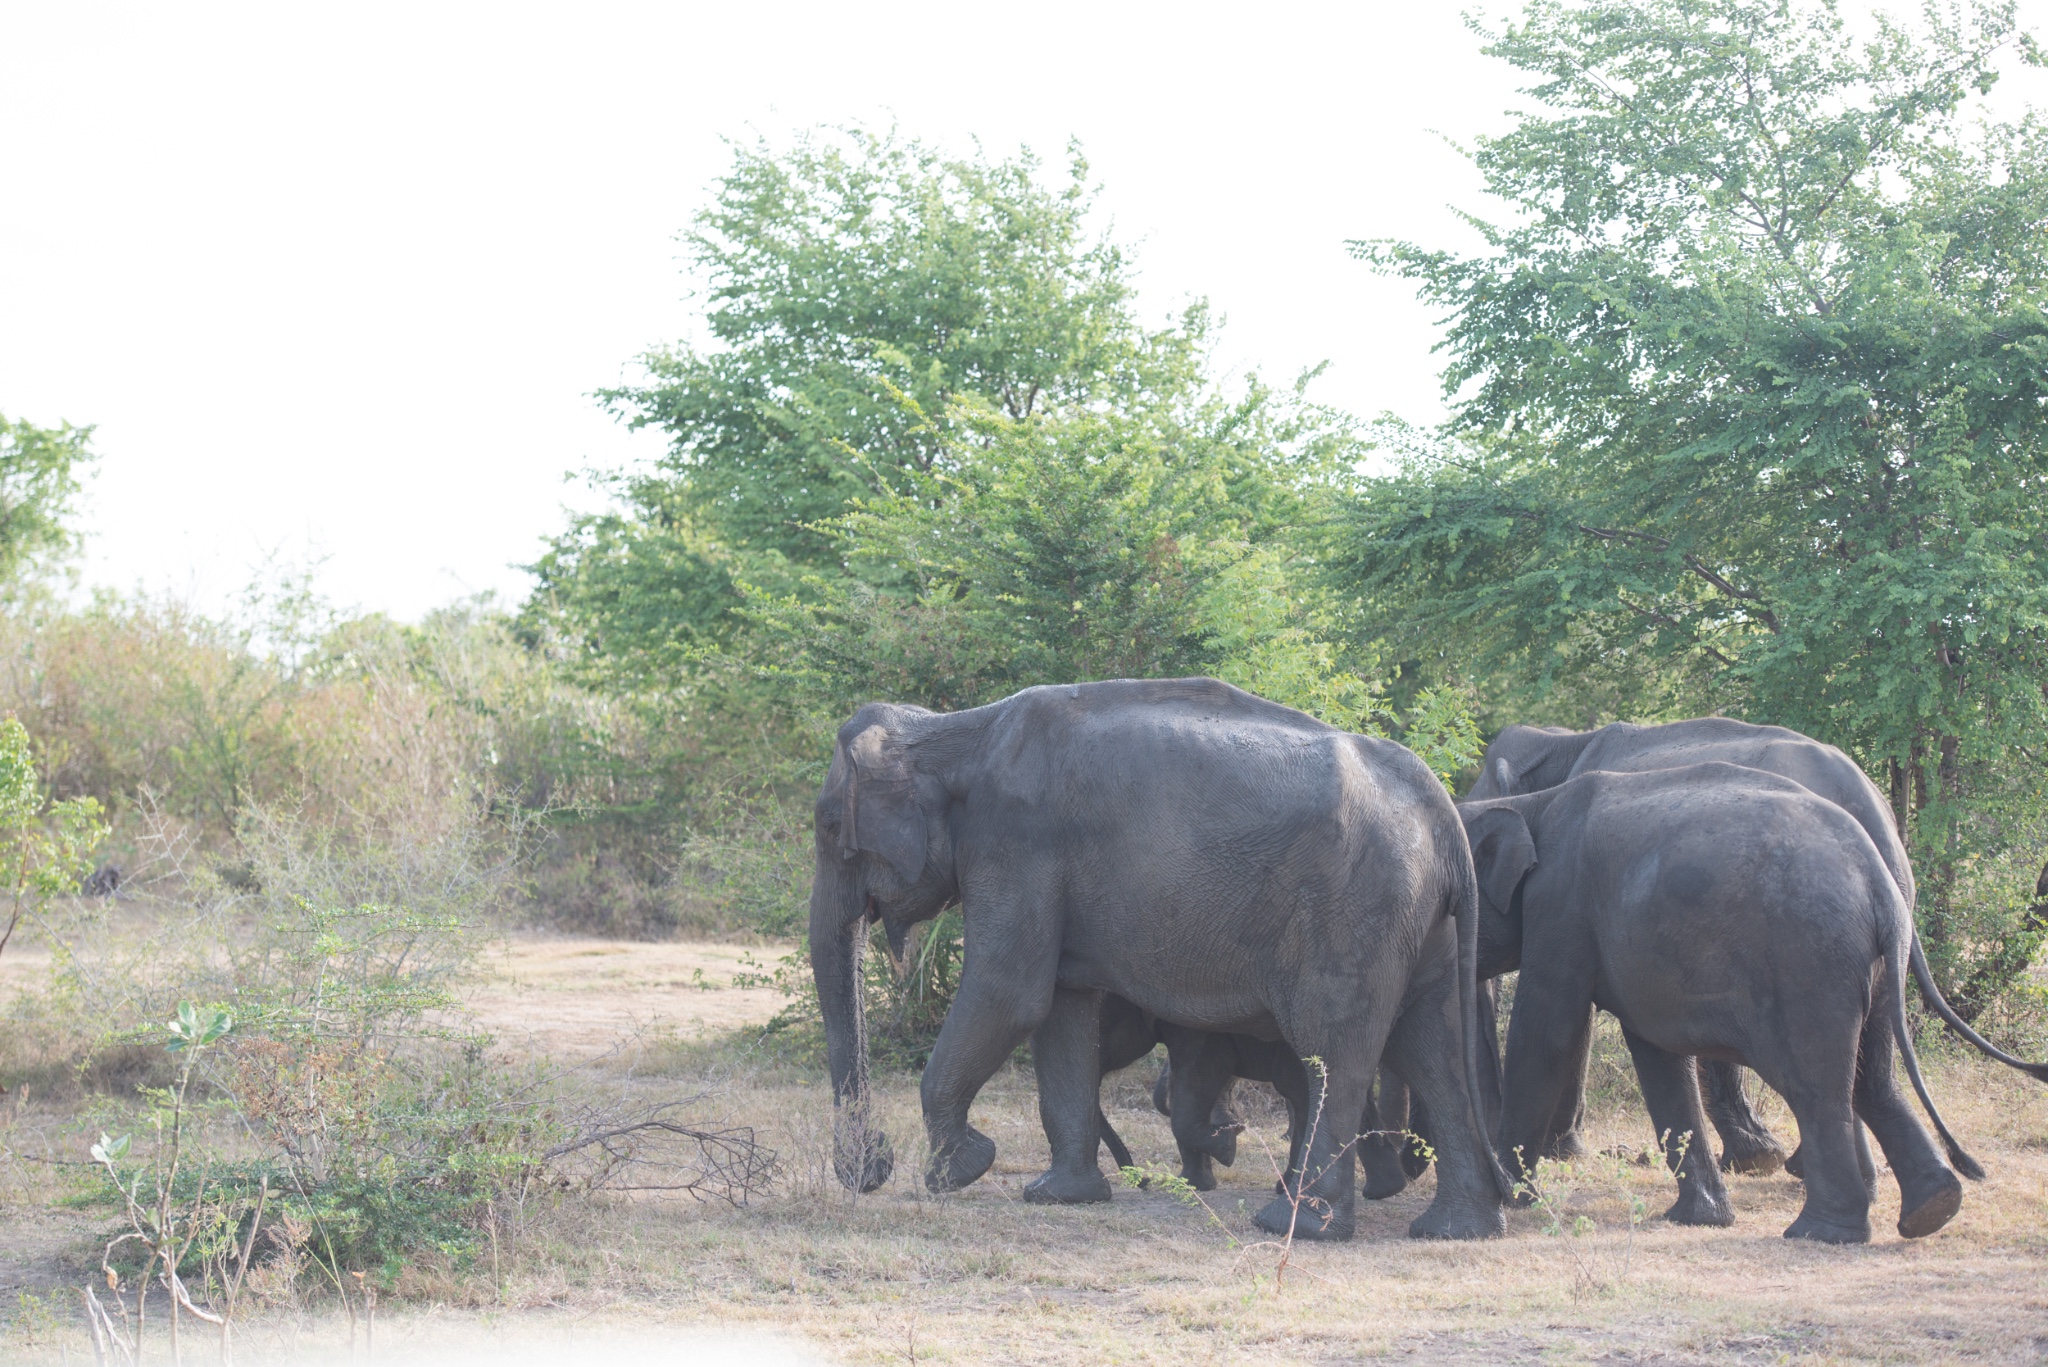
pixel 811 1273
pixel 572 997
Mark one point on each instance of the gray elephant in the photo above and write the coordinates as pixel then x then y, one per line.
pixel 1201 1069
pixel 1526 759
pixel 1218 860
pixel 1194 1085
pixel 1723 912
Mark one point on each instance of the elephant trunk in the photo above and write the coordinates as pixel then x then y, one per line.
pixel 860 1151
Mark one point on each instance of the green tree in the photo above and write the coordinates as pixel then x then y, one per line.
pixel 1750 394
pixel 1080 545
pixel 44 846
pixel 857 285
pixel 39 469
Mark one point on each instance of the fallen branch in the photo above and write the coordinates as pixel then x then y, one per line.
pixel 729 1165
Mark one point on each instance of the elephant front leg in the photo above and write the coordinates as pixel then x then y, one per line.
pixel 1671 1092
pixel 1203 1130
pixel 1386 1135
pixel 1064 1051
pixel 981 1031
pixel 1564 1138
pixel 1545 1066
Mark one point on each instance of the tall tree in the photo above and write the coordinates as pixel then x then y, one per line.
pixel 39 469
pixel 858 286
pixel 1750 387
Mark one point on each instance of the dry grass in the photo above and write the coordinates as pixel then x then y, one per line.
pixel 979 1276
pixel 575 997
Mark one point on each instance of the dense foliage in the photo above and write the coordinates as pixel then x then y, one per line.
pixel 857 287
pixel 1750 405
pixel 39 469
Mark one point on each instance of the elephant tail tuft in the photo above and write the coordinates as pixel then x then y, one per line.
pixel 1932 995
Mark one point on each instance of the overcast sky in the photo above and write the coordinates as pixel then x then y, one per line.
pixel 337 282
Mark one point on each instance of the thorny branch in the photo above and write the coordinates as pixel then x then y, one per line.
pixel 650 1151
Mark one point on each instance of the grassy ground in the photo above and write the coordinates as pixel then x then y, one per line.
pixel 809 1273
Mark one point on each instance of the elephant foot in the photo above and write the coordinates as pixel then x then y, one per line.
pixel 1564 1147
pixel 1056 1188
pixel 1755 1153
pixel 1697 1207
pixel 1454 1219
pixel 1811 1226
pixel 1414 1162
pixel 1218 1142
pixel 1198 1172
pixel 960 1162
pixel 1316 1219
pixel 863 1165
pixel 1796 1164
pixel 1384 1175
pixel 1920 1217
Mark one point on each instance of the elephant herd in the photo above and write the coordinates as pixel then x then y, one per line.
pixel 1181 862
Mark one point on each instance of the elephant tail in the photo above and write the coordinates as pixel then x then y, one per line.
pixel 1464 879
pixel 1932 995
pixel 1901 945
pixel 1117 1149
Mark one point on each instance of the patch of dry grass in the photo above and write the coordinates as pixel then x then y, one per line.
pixel 979 1276
pixel 571 997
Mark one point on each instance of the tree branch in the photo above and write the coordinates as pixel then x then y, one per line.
pixel 1672 622
pixel 1693 563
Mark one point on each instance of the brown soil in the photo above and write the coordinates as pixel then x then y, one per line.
pixel 573 998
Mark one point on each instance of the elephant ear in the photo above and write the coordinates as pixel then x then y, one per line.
pixel 1503 852
pixel 883 815
pixel 1503 776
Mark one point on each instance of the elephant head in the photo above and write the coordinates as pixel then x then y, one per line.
pixel 881 853
pixel 1503 852
pixel 1523 759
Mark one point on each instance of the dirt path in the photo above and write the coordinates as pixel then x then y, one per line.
pixel 574 998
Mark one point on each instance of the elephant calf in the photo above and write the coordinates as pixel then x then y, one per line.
pixel 1724 913
pixel 1193 1091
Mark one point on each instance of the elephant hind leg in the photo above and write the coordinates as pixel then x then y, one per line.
pixel 1929 1192
pixel 1317 1200
pixel 1815 1072
pixel 1671 1091
pixel 1426 1048
pixel 1747 1144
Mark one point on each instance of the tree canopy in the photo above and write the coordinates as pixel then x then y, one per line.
pixel 1749 385
pixel 858 287
pixel 39 469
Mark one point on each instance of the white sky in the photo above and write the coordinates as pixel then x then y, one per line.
pixel 337 281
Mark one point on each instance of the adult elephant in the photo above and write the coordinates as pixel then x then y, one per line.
pixel 1216 859
pixel 1527 759
pixel 1721 912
